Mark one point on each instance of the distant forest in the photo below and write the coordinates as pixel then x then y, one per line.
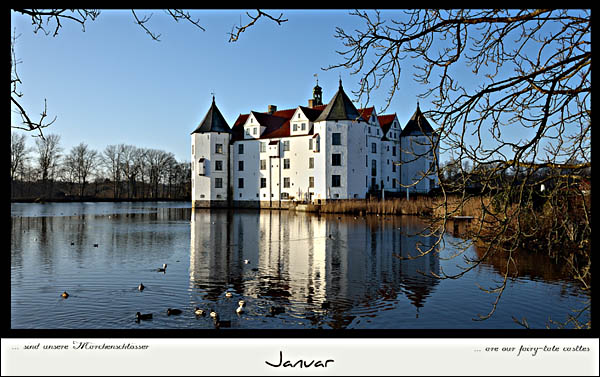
pixel 119 172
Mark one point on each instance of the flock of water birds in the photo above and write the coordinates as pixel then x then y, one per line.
pixel 197 311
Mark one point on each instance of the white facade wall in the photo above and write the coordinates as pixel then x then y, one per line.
pixel 416 168
pixel 206 161
pixel 245 154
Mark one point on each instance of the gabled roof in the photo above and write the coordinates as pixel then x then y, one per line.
pixel 339 108
pixel 213 121
pixel 312 113
pixel 385 121
pixel 417 125
pixel 366 113
pixel 238 127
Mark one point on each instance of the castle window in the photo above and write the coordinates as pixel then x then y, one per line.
pixel 336 159
pixel 263 182
pixel 285 195
pixel 263 165
pixel 254 131
pixel 218 165
pixel 373 147
pixel 336 180
pixel 295 127
pixel 241 183
pixel 286 163
pixel 303 125
pixel 286 182
pixel 311 162
pixel 263 147
pixel 241 149
pixel 240 165
pixel 311 181
pixel 336 138
pixel 310 144
pixel 219 148
pixel 286 145
pixel 218 182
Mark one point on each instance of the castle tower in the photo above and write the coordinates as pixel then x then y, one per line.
pixel 210 160
pixel 419 144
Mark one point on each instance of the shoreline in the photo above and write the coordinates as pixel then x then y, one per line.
pixel 91 199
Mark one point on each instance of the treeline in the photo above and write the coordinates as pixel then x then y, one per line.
pixel 117 172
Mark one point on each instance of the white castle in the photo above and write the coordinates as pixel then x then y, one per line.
pixel 315 153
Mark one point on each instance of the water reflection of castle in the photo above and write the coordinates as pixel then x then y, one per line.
pixel 307 260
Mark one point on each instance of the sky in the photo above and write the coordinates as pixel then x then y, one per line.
pixel 113 84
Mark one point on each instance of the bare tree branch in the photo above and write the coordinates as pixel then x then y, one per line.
pixel 234 35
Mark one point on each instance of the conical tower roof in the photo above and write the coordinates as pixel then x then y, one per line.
pixel 339 108
pixel 213 121
pixel 417 125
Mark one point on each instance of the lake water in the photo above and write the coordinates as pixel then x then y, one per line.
pixel 325 272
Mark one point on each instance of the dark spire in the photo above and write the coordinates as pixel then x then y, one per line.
pixel 213 121
pixel 417 125
pixel 339 108
pixel 317 95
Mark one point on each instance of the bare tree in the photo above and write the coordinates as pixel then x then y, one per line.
pixel 19 156
pixel 522 118
pixel 82 161
pixel 111 159
pixel 48 157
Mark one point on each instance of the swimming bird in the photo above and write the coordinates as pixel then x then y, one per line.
pixel 214 315
pixel 242 303
pixel 64 295
pixel 199 312
pixel 240 309
pixel 139 316
pixel 224 324
pixel 246 261
pixel 163 269
pixel 173 312
pixel 95 245
pixel 72 243
pixel 276 310
pixel 141 287
pixel 228 294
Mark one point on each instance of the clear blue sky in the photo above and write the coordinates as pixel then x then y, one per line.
pixel 113 84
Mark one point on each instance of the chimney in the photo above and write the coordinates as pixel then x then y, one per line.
pixel 311 103
pixel 271 109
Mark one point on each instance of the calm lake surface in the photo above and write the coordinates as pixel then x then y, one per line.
pixel 297 261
